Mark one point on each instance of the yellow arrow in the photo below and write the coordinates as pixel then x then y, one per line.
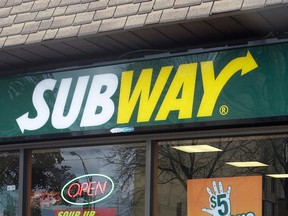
pixel 213 87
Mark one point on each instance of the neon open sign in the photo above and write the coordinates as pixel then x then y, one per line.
pixel 87 189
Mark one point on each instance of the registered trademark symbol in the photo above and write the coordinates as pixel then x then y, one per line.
pixel 224 110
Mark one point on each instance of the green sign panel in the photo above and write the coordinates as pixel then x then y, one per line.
pixel 232 84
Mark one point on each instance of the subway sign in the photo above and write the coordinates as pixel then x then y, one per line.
pixel 212 87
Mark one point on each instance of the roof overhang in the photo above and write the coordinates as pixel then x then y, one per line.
pixel 227 29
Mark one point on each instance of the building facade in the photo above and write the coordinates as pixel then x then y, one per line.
pixel 143 107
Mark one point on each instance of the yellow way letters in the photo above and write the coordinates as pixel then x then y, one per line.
pixel 180 94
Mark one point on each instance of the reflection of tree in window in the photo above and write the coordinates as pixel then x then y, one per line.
pixel 129 166
pixel 178 165
pixel 48 176
pixel 9 169
pixel 279 154
pixel 175 167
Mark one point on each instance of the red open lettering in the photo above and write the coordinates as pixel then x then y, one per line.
pixel 92 189
pixel 77 185
pixel 100 187
pixel 84 187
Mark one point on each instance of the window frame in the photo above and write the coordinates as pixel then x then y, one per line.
pixel 151 140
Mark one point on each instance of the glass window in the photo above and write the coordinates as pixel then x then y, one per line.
pixel 9 181
pixel 223 176
pixel 88 181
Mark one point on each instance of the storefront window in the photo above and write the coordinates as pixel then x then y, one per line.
pixel 9 181
pixel 224 176
pixel 88 181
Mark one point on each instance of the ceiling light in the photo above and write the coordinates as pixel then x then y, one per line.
pixel 278 175
pixel 247 164
pixel 197 148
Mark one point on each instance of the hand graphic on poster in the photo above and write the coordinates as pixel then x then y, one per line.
pixel 219 201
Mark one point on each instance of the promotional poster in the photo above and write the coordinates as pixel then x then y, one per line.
pixel 240 196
